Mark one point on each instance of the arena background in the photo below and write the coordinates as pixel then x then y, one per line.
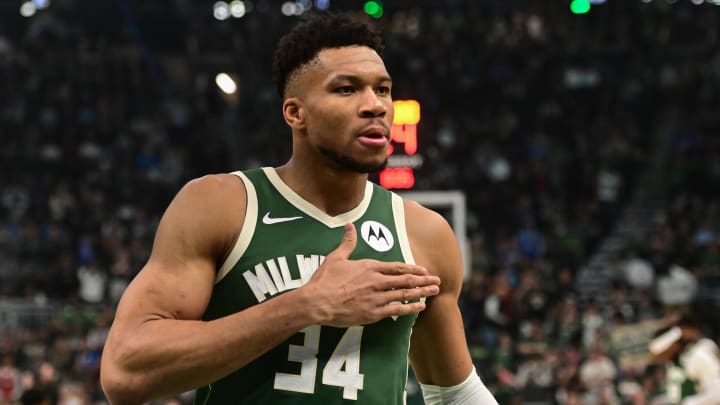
pixel 583 136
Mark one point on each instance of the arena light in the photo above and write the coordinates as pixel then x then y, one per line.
pixel 28 9
pixel 697 2
pixel 237 8
pixel 580 6
pixel 288 8
pixel 41 4
pixel 299 8
pixel 373 8
pixel 221 10
pixel 322 4
pixel 226 83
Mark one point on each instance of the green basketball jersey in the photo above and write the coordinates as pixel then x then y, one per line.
pixel 283 241
pixel 678 385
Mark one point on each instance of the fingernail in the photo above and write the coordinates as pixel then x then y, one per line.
pixel 434 289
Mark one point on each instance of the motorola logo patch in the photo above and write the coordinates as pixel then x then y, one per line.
pixel 377 235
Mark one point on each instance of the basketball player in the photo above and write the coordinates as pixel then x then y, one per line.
pixel 692 363
pixel 300 284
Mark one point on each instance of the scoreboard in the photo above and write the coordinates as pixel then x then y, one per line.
pixel 403 158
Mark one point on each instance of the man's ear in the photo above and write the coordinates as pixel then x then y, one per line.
pixel 294 113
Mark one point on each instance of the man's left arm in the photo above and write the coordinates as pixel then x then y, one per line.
pixel 438 348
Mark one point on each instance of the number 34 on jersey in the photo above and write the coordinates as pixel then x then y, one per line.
pixel 342 368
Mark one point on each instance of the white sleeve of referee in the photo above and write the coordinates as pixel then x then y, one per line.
pixel 472 391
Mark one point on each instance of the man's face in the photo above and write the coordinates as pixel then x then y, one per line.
pixel 345 101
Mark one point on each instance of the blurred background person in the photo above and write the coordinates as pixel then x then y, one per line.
pixel 691 362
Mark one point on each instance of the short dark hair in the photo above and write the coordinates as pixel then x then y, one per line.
pixel 688 320
pixel 303 43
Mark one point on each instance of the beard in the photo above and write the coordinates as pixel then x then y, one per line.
pixel 348 163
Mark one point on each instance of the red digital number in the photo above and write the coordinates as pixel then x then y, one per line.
pixel 397 177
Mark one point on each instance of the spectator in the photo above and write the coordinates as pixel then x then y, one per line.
pixel 10 386
pixel 535 378
pixel 597 374
pixel 92 283
pixel 677 289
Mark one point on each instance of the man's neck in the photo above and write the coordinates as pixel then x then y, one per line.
pixel 330 190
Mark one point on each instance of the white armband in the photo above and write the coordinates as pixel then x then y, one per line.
pixel 472 391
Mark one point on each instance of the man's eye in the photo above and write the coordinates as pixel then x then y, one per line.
pixel 384 90
pixel 345 90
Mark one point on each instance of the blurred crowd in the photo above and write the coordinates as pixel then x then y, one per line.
pixel 545 119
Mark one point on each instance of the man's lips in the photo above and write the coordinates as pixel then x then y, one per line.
pixel 375 132
pixel 375 136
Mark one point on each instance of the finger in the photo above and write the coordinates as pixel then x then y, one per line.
pixel 347 244
pixel 401 309
pixel 398 268
pixel 407 281
pixel 407 294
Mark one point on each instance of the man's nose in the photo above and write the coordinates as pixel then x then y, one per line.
pixel 372 105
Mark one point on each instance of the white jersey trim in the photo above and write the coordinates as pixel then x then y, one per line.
pixel 398 207
pixel 247 231
pixel 303 205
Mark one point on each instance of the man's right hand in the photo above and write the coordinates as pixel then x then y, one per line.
pixel 345 292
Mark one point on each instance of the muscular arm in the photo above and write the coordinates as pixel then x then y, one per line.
pixel 438 348
pixel 158 345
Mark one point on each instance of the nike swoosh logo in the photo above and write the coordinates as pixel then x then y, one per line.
pixel 269 221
